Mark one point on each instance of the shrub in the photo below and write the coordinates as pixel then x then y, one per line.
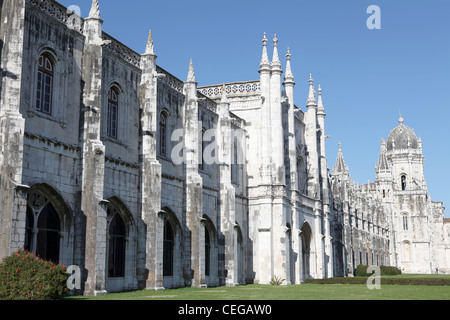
pixel 26 277
pixel 361 271
pixel 390 271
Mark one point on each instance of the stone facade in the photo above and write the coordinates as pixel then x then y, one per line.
pixel 143 180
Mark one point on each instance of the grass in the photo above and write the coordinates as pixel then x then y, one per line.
pixel 295 292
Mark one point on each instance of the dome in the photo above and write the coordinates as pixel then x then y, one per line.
pixel 402 137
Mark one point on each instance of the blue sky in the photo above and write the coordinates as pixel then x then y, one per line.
pixel 367 76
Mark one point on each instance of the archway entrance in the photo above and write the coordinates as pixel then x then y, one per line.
pixel 306 251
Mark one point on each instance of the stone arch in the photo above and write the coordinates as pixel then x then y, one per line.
pixel 210 252
pixel 48 225
pixel 120 246
pixel 240 253
pixel 307 251
pixel 406 251
pixel 172 249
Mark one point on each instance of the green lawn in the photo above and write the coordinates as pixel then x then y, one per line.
pixel 297 292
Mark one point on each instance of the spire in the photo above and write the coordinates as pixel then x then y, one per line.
pixel 289 76
pixel 191 73
pixel 339 166
pixel 382 161
pixel 265 63
pixel 150 48
pixel 276 63
pixel 312 92
pixel 95 10
pixel 321 108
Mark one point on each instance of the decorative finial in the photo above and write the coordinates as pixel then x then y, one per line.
pixel 265 63
pixel 275 40
pixel 276 63
pixel 312 92
pixel 289 76
pixel 320 105
pixel 95 10
pixel 191 73
pixel 150 48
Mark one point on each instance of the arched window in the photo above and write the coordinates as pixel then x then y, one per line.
pixel 405 222
pixel 113 113
pixel 42 230
pixel 201 165
pixel 44 87
pixel 235 164
pixel 116 254
pixel 163 134
pixel 168 249
pixel 207 253
pixel 403 183
pixel 47 246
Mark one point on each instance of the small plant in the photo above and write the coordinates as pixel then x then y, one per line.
pixel 276 281
pixel 24 276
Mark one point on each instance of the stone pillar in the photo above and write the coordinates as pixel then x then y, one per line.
pixel 152 247
pixel 311 143
pixel 225 138
pixel 195 248
pixel 93 206
pixel 12 128
pixel 301 271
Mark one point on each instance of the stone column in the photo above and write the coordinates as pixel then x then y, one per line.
pixel 195 248
pixel 12 128
pixel 229 245
pixel 93 206
pixel 152 247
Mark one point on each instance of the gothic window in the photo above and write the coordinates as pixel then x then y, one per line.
pixel 163 134
pixel 47 246
pixel 207 253
pixel 201 165
pixel 44 88
pixel 405 222
pixel 168 250
pixel 235 165
pixel 403 183
pixel 42 228
pixel 113 113
pixel 116 254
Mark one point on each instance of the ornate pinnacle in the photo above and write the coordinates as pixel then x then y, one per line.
pixel 191 73
pixel 320 102
pixel 224 98
pixel 289 76
pixel 312 92
pixel 95 10
pixel 150 48
pixel 276 59
pixel 265 57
